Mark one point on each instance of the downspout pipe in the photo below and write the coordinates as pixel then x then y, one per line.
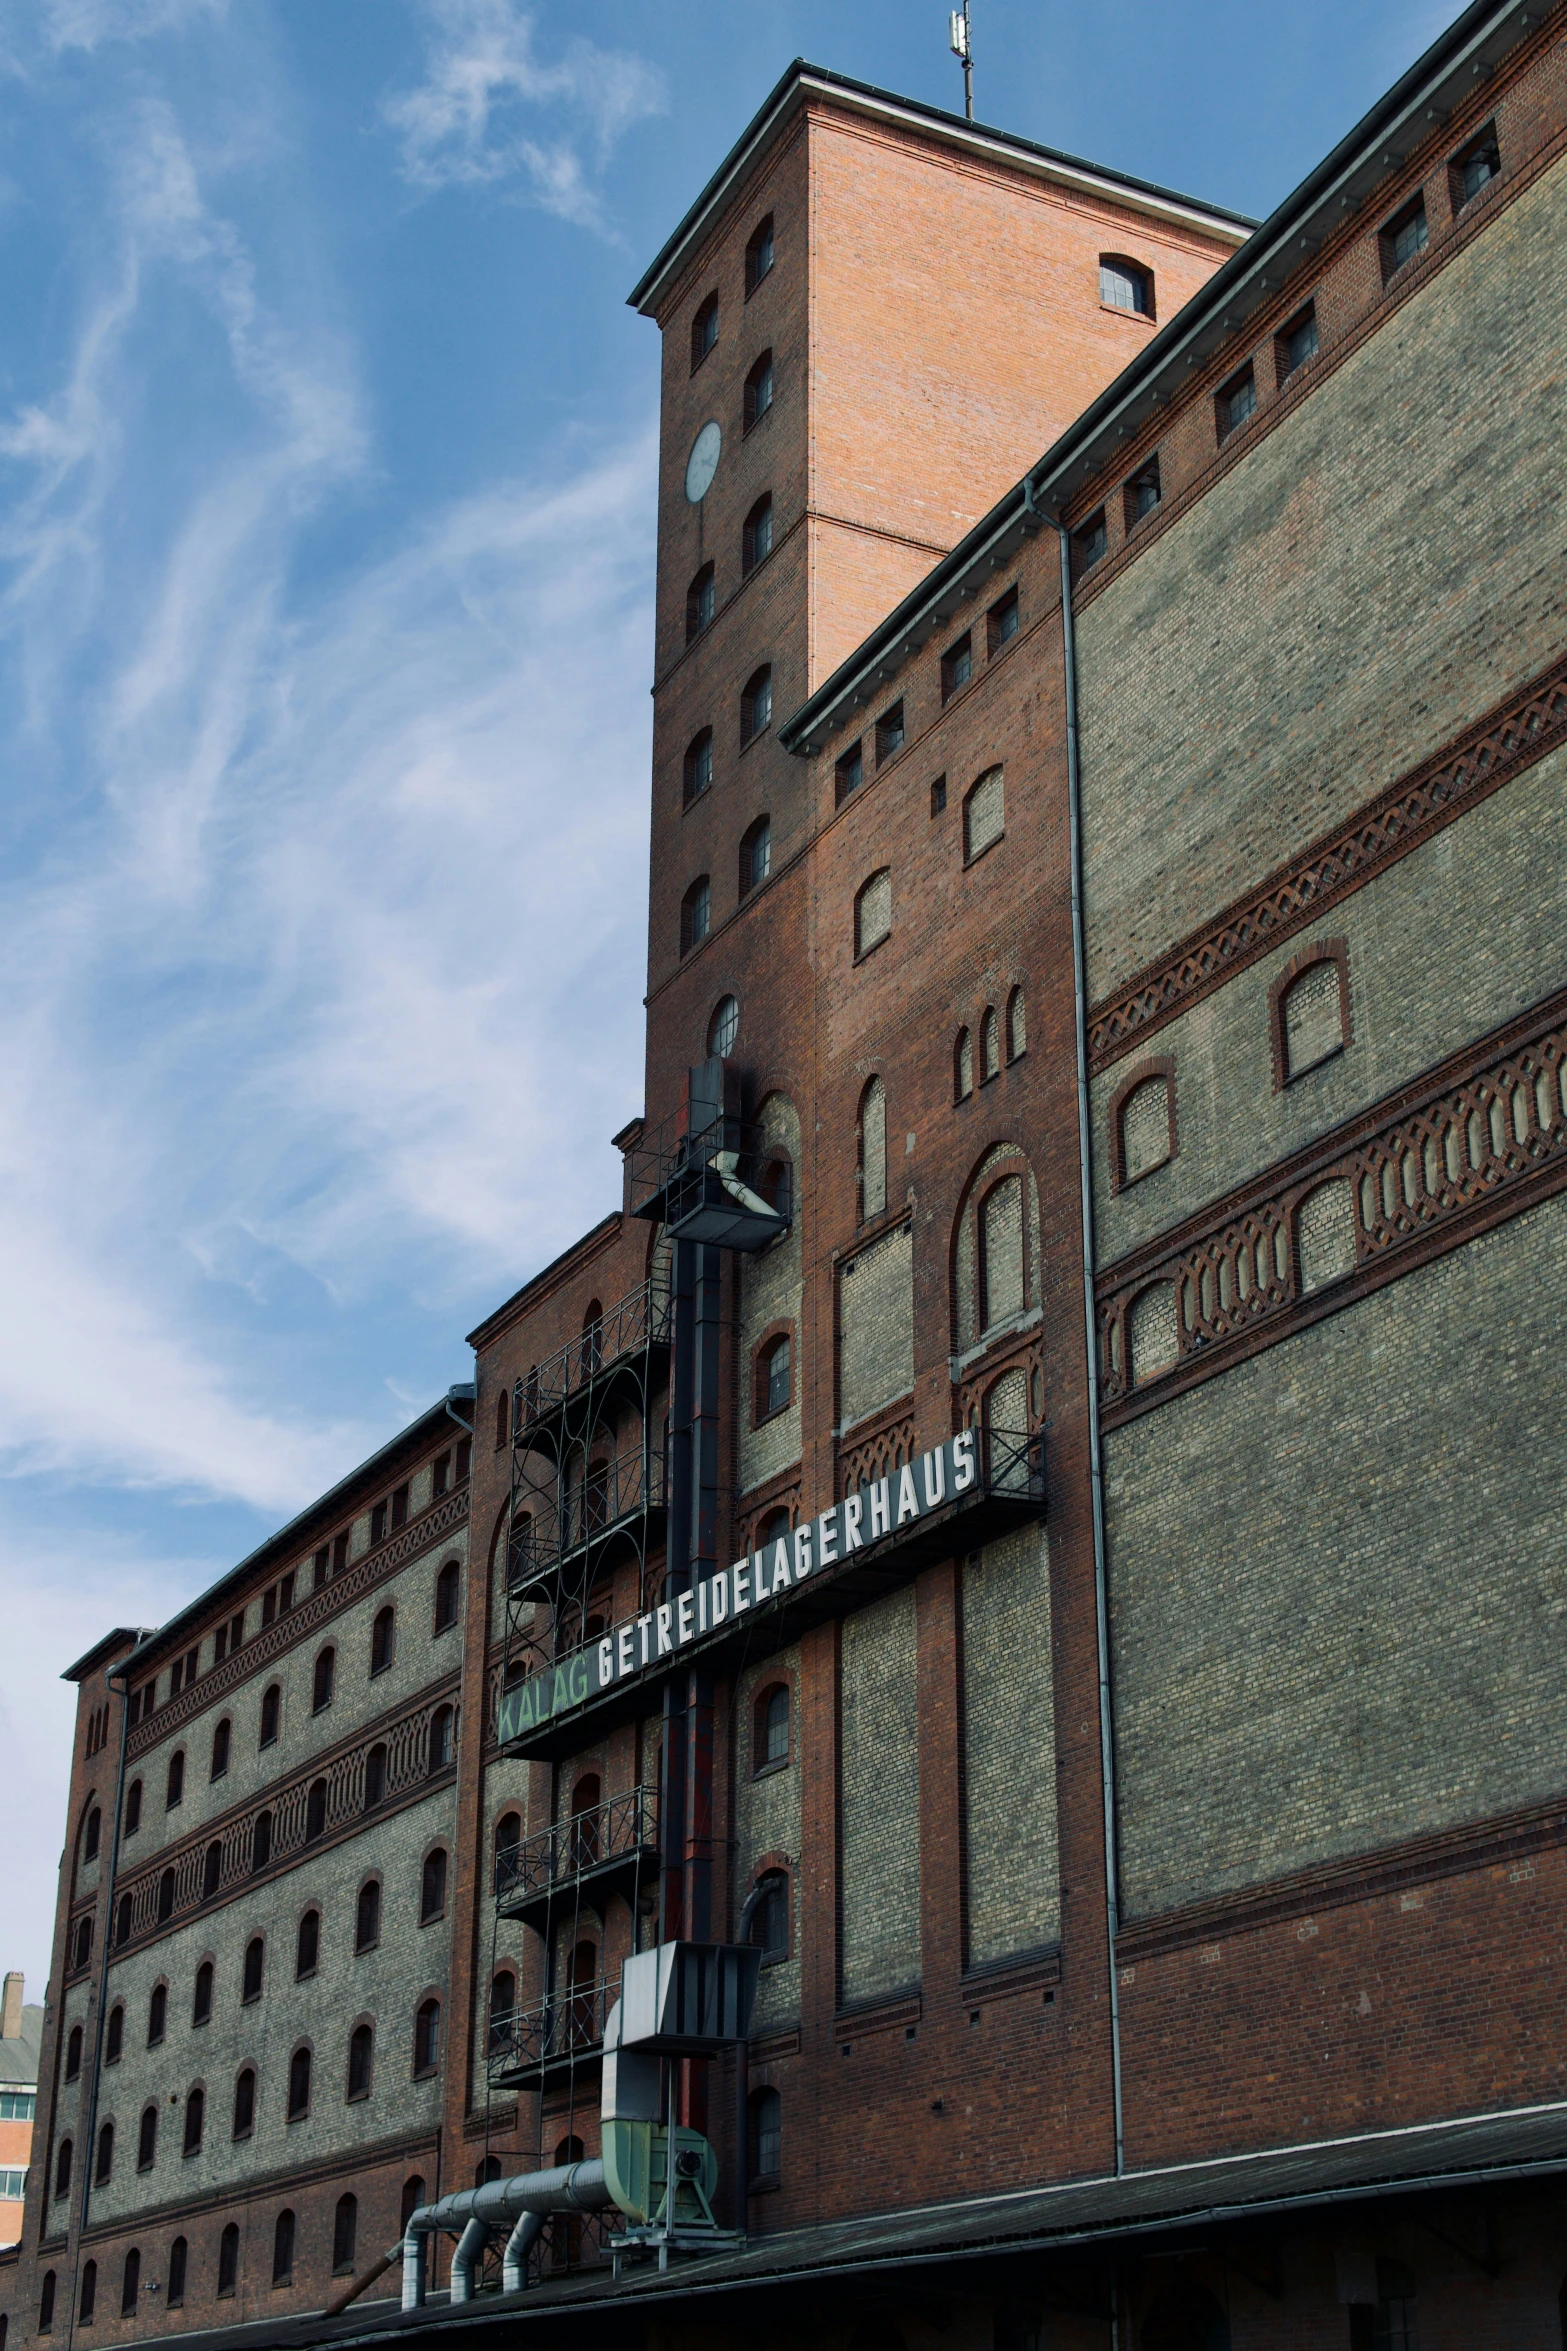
pixel 1091 1329
pixel 748 1910
pixel 474 2215
pixel 514 2260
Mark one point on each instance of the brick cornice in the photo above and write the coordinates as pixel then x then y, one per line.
pixel 1466 1146
pixel 306 1617
pixel 1504 743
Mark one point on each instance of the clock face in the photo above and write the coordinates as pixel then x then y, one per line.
pixel 702 463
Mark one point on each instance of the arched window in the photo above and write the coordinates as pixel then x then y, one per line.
pixel 201 2001
pixel 774 1380
pixel 503 2008
pixel 73 2053
pixel 1142 1123
pixel 756 855
pixel 361 2058
pixel 766 2136
pixel 1125 285
pixel 770 1729
pixel 1183 2313
pixel 873 912
pixel 770 1920
pixel 758 254
pixel 586 1797
pixel 704 331
pixel 271 1710
pixel 211 1869
pixel 1152 1333
pixel 298 2084
pixel 488 2167
pixel 166 1886
pixel 283 2249
pixel 698 772
pixel 195 2120
pixel 255 1970
pixel 592 1338
pixel 322 1680
pixel 367 1916
pixel 873 1150
pixel 228 2260
pixel 989 1046
pixel 756 705
pixel 105 2164
pixel 245 2102
pixel 174 2292
pixel 984 814
pixel 46 2304
pixel 157 2015
pixel 508 1837
pixel 126 1918
pixel 83 1947
pixel 758 389
pixel 443 1740
pixel 174 1786
pixel 962 1067
pixel 375 1777
pixel 147 2139
pixel 133 1808
pixel 221 1737
pixel 130 2283
pixel 700 602
pixel 345 2232
pixel 87 2299
pixel 432 1886
pixel 448 1596
pixel 756 539
pixel 1017 1029
pixel 427 2038
pixel 307 1947
pixel 723 1029
pixel 696 914
pixel 1309 1002
pixel 502 1420
pixel 776 1184
pixel 93 1832
pixel 583 2025
pixel 382 1639
pixel 412 2198
pixel 115 2037
pixel 1002 1275
pixel 62 2168
pixel 315 1811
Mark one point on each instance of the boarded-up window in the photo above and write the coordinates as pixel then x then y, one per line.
pixel 879 1777
pixel 1313 1018
pixel 962 1067
pixel 984 814
pixel 1145 1128
pixel 873 1150
pixel 990 1045
pixel 1151 1332
pixel 876 1325
pixel 1017 1027
pixel 1325 1234
pixel 1011 1878
pixel 1001 1253
pixel 873 912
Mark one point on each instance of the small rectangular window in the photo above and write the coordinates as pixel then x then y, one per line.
pixel 400 1507
pixel 1404 237
pixel 1237 401
pixel 849 773
pixel 1001 623
pixel 1474 167
pixel 285 1594
pixel 340 1552
pixel 1297 343
pixel 1090 540
pixel 957 666
pixel 1142 493
pixel 440 1474
pixel 889 733
pixel 938 795
pixel 378 1523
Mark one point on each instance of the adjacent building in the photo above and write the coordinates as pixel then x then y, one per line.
pixel 1039 1509
pixel 21 2030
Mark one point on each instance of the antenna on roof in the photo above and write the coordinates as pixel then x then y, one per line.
pixel 964 53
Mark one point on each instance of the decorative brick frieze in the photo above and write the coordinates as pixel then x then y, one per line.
pixel 1468 1145
pixel 879 1449
pixel 1017 1351
pixel 406 1739
pixel 1503 745
pixel 306 1617
pixel 293 2180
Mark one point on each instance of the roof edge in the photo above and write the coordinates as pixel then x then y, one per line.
pixel 538 1284
pixel 88 1665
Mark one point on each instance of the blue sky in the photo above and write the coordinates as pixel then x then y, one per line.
pixel 326 541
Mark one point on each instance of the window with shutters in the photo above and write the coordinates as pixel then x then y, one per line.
pixel 1142 1122
pixel 872 913
pixel 984 814
pixel 1309 1011
pixel 873 1150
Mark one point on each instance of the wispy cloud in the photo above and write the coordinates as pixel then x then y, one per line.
pixel 465 125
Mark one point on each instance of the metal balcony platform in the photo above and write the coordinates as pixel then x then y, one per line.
pixel 613 1346
pixel 610 1849
pixel 544 2043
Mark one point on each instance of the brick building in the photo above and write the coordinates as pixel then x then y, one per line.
pixel 21 2031
pixel 1038 1511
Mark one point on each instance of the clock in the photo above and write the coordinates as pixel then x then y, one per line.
pixel 702 463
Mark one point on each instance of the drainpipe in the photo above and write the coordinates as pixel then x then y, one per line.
pixel 1090 1326
pixel 91 2133
pixel 748 1911
pixel 469 2253
pixel 466 1392
pixel 514 2260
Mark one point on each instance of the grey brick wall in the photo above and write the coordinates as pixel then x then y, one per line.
pixel 876 1326
pixel 1009 1750
pixel 770 1292
pixel 1355 591
pixel 1458 937
pixel 880 1800
pixel 767 1820
pixel 1338 1585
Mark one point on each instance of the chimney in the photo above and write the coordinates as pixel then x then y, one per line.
pixel 11 2007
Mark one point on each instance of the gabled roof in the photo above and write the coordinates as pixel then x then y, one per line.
pixel 803 80
pixel 19 2058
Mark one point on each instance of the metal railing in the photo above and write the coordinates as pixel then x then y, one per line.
pixel 615 1830
pixel 1014 1463
pixel 568 1518
pixel 640 1319
pixel 569 2025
